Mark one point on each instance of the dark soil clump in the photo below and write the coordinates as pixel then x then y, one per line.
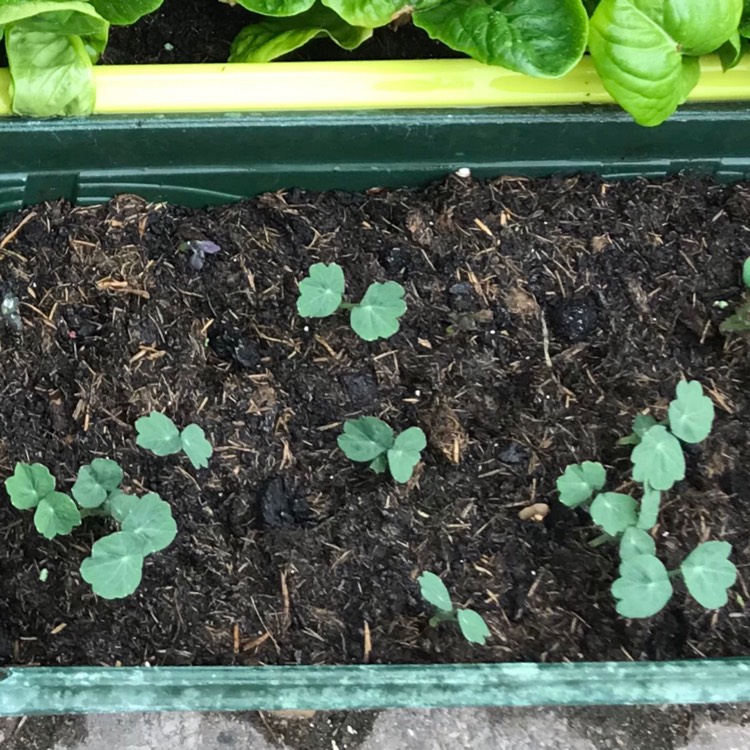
pixel 543 315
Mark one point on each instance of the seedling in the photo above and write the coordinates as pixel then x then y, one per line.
pixel 644 586
pixel 116 561
pixel 321 294
pixel 159 434
pixel 371 440
pixel 739 322
pixel 471 623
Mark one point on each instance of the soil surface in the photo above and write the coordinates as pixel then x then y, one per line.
pixel 542 316
pixel 199 31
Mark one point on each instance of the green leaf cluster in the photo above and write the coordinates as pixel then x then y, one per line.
pixel 116 561
pixel 159 434
pixel 644 585
pixel 371 440
pixel 470 623
pixel 739 321
pixel 376 316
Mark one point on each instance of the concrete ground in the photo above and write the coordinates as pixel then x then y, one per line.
pixel 620 728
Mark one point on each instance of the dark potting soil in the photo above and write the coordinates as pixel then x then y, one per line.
pixel 199 31
pixel 542 316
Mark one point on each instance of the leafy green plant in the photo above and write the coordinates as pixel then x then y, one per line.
pixel 116 561
pixel 376 316
pixel 371 440
pixel 159 434
pixel 739 321
pixel 645 586
pixel 52 46
pixel 470 623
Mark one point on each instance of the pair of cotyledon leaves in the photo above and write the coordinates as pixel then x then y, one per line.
pixel 375 317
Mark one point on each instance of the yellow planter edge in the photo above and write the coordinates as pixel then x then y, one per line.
pixel 391 84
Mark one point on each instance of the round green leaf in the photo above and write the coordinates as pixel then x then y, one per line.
pixel 56 514
pixel 365 439
pixel 636 542
pixel 158 434
pixel 691 414
pixel 95 481
pixel 579 482
pixel 321 291
pixel 28 485
pixel 116 564
pixel 708 573
pixel 614 512
pixel 649 512
pixel 151 521
pixel 125 12
pixel 746 273
pixel 196 447
pixel 473 627
pixel 274 37
pixel 434 591
pixel 376 316
pixel 119 505
pixel 405 453
pixel 658 459
pixel 643 587
pixel 541 38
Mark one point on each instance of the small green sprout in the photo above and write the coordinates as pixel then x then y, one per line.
pixel 739 322
pixel 644 586
pixel 96 482
pixel 377 316
pixel 159 434
pixel 472 625
pixel 371 440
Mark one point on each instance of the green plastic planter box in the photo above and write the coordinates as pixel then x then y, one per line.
pixel 200 159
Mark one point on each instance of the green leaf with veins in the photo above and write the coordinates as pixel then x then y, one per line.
pixel 376 316
pixel 579 482
pixel 374 13
pixel 472 625
pixel 274 37
pixel 643 587
pixel 321 291
pixel 635 542
pixel 365 439
pixel 115 566
pixel 642 49
pixel 125 12
pixel 150 519
pixel 119 505
pixel 434 591
pixel 56 514
pixel 28 485
pixel 277 7
pixel 658 459
pixel 641 424
pixel 195 446
pixel 95 481
pixel 405 453
pixel 158 434
pixel 708 573
pixel 649 511
pixel 541 38
pixel 614 512
pixel 691 414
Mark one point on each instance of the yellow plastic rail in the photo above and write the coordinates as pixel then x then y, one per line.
pixel 392 84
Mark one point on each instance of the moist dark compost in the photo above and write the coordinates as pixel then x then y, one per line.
pixel 542 316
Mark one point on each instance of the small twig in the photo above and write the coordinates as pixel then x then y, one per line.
pixel 545 340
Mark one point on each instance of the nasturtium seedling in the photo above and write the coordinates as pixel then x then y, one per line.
pixel 708 573
pixel 56 514
pixel 369 439
pixel 658 459
pixel 691 414
pixel 636 542
pixel 470 623
pixel 643 587
pixel 579 482
pixel 159 434
pixel 119 504
pixel 150 519
pixel 28 485
pixel 115 566
pixel 375 317
pixel 96 481
pixel 641 424
pixel 649 510
pixel 322 291
pixel 614 512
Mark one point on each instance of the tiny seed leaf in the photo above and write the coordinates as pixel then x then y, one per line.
pixel 579 482
pixel 434 591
